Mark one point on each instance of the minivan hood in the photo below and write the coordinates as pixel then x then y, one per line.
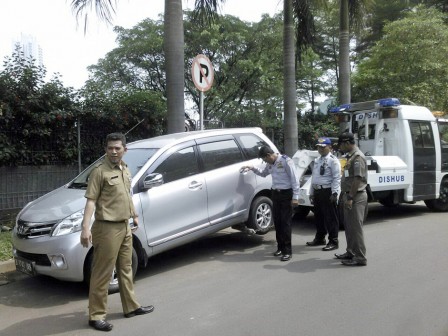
pixel 55 205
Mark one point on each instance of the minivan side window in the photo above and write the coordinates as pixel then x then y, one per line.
pixel 220 154
pixel 251 144
pixel 178 165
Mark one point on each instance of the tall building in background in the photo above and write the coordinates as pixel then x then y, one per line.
pixel 30 48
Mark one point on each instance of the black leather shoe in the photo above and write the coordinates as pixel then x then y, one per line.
pixel 102 325
pixel 285 257
pixel 316 242
pixel 351 262
pixel 344 256
pixel 330 247
pixel 277 253
pixel 140 311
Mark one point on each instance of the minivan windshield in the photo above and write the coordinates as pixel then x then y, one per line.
pixel 135 158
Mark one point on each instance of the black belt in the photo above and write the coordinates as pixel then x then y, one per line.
pixel 281 190
pixel 359 191
pixel 318 186
pixel 113 222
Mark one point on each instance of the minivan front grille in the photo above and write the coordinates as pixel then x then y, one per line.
pixel 26 230
pixel 39 259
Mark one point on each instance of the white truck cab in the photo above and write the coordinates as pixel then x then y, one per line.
pixel 406 148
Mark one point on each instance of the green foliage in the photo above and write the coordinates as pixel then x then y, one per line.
pixel 310 78
pixel 137 113
pixel 384 11
pixel 39 120
pixel 248 79
pixel 127 89
pixel 5 246
pixel 33 113
pixel 312 126
pixel 409 62
pixel 247 59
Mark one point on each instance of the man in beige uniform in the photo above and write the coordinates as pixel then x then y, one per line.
pixel 108 194
pixel 354 196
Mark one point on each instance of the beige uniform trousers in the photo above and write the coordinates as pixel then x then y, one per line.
pixel 353 222
pixel 112 243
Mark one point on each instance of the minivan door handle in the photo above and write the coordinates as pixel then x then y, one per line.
pixel 195 185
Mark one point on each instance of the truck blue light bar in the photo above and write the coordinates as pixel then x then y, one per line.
pixel 341 108
pixel 388 102
pixel 367 105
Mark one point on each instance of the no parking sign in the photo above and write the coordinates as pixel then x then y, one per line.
pixel 202 73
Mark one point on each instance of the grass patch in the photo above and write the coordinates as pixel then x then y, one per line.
pixel 5 245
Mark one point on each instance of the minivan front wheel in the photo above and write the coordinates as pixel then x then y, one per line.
pixel 261 217
pixel 113 284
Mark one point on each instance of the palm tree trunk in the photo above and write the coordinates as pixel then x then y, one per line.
pixel 174 58
pixel 344 54
pixel 289 83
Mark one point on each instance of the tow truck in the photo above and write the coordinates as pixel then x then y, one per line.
pixel 406 149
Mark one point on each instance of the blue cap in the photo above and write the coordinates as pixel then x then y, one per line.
pixel 323 142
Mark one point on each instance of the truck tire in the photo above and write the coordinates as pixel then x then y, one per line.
pixel 388 201
pixel 261 216
pixel 440 204
pixel 113 284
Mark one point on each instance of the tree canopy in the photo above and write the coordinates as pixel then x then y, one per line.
pixel 127 89
pixel 408 62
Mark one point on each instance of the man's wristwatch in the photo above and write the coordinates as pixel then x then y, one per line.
pixel 349 197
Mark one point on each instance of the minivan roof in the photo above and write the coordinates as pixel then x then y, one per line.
pixel 163 140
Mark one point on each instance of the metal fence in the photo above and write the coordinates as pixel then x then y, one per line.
pixel 23 184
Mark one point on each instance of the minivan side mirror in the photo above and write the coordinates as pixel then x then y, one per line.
pixel 152 180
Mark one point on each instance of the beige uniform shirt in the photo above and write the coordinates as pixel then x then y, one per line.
pixel 110 187
pixel 356 166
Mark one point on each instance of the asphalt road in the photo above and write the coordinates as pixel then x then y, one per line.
pixel 230 285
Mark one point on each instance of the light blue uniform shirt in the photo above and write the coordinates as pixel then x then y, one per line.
pixel 284 174
pixel 332 173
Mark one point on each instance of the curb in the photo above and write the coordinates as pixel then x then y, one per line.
pixel 7 266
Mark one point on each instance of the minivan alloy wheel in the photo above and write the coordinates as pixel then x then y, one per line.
pixel 260 218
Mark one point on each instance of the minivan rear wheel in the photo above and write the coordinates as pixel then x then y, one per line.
pixel 113 284
pixel 260 217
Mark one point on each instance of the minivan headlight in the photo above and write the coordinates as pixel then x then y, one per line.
pixel 70 224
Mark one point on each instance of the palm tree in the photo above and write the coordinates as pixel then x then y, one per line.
pixel 297 14
pixel 352 13
pixel 174 49
pixel 290 137
pixel 344 54
pixel 175 74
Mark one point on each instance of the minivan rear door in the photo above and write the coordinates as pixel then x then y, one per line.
pixel 229 192
pixel 179 206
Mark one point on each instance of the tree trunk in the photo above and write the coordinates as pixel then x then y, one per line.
pixel 174 55
pixel 344 54
pixel 289 83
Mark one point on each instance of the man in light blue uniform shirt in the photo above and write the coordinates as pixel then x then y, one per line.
pixel 325 188
pixel 285 195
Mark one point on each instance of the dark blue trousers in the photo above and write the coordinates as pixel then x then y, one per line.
pixel 282 219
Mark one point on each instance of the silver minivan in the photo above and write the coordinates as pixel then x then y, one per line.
pixel 185 186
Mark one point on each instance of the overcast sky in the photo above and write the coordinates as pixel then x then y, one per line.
pixel 67 50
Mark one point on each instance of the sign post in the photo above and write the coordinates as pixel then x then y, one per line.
pixel 203 75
